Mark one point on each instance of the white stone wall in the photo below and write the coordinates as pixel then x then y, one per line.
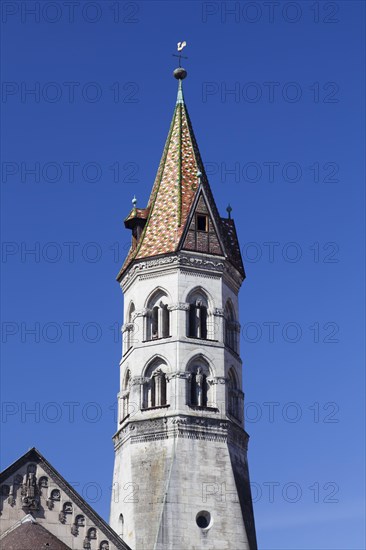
pixel 175 480
pixel 161 473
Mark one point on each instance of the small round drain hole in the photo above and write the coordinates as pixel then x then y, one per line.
pixel 203 519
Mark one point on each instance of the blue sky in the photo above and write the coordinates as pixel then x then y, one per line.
pixel 275 93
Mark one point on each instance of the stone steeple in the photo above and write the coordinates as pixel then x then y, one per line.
pixel 181 474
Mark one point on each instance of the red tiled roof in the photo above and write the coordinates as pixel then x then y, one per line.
pixel 175 188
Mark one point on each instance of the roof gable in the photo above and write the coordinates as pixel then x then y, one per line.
pixel 201 233
pixel 31 485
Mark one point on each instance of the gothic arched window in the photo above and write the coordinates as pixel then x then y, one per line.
pixel 155 386
pixel 197 315
pixel 158 316
pixel 230 327
pixel 200 393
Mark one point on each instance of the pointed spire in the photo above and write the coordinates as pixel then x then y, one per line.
pixel 180 186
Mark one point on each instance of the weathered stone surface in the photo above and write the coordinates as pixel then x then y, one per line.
pixel 177 460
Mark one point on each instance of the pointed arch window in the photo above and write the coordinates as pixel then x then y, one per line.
pixel 158 317
pixel 155 387
pixel 198 316
pixel 200 391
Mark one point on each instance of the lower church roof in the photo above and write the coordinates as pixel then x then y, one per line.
pixel 30 535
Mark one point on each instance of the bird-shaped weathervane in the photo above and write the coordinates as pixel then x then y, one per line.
pixel 180 47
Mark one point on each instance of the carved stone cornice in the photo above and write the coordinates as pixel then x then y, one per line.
pixel 207 264
pixel 182 426
pixel 202 262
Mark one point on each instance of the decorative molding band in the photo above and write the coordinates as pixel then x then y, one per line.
pixel 189 427
pixel 146 276
pixel 199 274
pixel 182 260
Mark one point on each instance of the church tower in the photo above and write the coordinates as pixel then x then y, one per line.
pixel 181 474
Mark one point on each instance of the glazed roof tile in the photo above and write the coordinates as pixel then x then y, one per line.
pixel 180 177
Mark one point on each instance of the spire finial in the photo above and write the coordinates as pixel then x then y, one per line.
pixel 180 73
pixel 134 201
pixel 228 210
pixel 180 47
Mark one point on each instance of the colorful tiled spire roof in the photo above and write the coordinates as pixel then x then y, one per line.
pixel 180 185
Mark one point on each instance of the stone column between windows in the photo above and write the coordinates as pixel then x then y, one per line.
pixel 143 325
pixel 178 389
pixel 219 324
pixel 158 379
pixel 135 399
pixel 179 318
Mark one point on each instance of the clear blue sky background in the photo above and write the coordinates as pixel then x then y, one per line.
pixel 310 448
